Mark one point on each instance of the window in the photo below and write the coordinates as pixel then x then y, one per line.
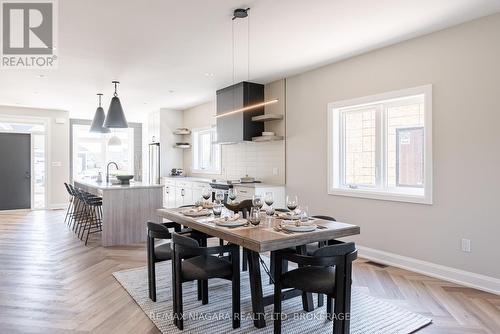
pixel 206 154
pixel 91 151
pixel 381 146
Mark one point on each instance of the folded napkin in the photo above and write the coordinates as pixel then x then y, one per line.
pixel 227 219
pixel 198 209
pixel 301 223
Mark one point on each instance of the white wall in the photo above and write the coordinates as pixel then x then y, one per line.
pixel 58 136
pixel 259 160
pixel 463 65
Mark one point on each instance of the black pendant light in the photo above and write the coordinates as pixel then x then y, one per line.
pixel 98 121
pixel 115 117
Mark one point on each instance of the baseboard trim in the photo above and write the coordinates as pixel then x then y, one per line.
pixel 458 276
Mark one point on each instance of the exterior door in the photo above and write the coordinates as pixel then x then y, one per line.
pixel 15 171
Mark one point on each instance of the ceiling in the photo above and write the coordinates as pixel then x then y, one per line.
pixel 176 54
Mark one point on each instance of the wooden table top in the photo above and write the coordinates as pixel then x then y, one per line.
pixel 263 237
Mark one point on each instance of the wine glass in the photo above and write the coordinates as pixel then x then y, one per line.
pixel 257 201
pixel 291 203
pixel 254 216
pixel 219 196
pixel 270 213
pixel 206 193
pixel 217 208
pixel 232 194
pixel 269 199
pixel 304 214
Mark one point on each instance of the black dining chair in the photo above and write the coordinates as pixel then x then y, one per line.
pixel 308 249
pixel 328 271
pixel 162 252
pixel 243 207
pixel 194 262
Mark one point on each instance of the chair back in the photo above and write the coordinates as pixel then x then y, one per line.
pixel 158 231
pixel 340 249
pixel 68 189
pixel 184 245
pixel 243 206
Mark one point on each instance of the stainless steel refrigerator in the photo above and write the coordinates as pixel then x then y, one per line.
pixel 154 163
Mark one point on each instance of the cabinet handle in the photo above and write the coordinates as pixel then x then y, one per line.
pixel 243 191
pixel 182 192
pixel 167 190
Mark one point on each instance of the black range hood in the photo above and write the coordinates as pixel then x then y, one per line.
pixel 235 112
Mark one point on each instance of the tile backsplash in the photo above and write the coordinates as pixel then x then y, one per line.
pixel 264 161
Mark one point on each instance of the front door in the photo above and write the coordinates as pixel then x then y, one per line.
pixel 15 171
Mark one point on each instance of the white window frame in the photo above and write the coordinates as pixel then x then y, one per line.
pixel 215 153
pixel 335 138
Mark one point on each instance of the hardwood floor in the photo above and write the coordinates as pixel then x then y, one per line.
pixel 51 283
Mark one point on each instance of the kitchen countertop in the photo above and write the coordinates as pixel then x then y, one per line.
pixel 207 180
pixel 109 186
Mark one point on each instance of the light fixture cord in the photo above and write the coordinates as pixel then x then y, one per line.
pixel 248 47
pixel 100 100
pixel 232 36
pixel 115 94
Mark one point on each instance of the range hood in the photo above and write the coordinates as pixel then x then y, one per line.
pixel 236 105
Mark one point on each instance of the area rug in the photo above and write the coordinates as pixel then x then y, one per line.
pixel 368 314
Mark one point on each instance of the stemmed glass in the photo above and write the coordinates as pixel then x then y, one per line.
pixel 257 201
pixel 269 199
pixel 206 193
pixel 232 194
pixel 217 208
pixel 254 216
pixel 303 214
pixel 219 196
pixel 291 203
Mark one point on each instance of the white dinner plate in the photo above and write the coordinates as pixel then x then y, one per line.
pixel 231 223
pixel 301 228
pixel 200 213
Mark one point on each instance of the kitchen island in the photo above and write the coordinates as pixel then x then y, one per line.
pixel 126 209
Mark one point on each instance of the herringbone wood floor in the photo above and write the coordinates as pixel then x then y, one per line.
pixel 51 283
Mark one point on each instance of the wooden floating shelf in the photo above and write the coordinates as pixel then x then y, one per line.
pixel 267 138
pixel 182 146
pixel 267 117
pixel 182 132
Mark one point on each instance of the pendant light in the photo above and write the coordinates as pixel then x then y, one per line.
pixel 115 117
pixel 97 122
pixel 114 141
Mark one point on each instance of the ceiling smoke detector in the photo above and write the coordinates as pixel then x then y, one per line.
pixel 240 13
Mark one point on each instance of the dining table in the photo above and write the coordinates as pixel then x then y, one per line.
pixel 265 237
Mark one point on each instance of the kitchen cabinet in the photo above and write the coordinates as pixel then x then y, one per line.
pixel 198 190
pixel 247 192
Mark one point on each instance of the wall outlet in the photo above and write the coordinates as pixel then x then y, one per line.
pixel 276 171
pixel 466 245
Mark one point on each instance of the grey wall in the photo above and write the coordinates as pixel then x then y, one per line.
pixel 463 64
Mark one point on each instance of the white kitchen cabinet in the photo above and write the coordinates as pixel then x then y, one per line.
pixel 198 190
pixel 247 192
pixel 183 195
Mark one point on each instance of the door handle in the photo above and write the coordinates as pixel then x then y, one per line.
pixel 27 175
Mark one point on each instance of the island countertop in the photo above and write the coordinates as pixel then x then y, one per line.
pixel 110 186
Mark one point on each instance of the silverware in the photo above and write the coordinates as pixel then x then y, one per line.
pixel 321 227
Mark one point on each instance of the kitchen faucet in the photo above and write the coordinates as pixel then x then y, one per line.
pixel 107 170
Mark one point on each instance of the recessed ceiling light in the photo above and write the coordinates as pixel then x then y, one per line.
pixel 208 74
pixel 41 76
pixel 170 91
pixel 145 103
